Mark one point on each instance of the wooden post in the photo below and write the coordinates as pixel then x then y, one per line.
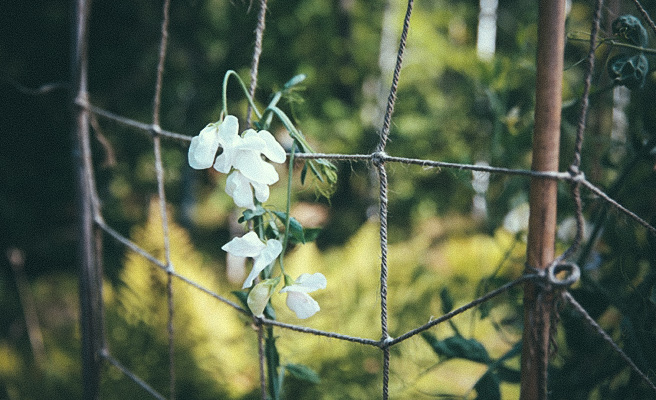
pixel 89 275
pixel 543 201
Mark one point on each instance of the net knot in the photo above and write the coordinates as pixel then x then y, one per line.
pixel 155 130
pixel 548 277
pixel 576 174
pixel 378 158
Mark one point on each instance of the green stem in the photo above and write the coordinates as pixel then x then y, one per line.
pixel 293 132
pixel 272 364
pixel 227 76
pixel 612 42
pixel 274 101
pixel 290 176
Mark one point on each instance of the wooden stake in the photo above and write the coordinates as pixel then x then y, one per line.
pixel 543 201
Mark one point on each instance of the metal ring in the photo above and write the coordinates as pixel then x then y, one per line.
pixel 573 270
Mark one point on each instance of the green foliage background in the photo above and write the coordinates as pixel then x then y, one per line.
pixel 451 107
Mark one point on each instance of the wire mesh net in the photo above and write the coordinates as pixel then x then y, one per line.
pixel 555 279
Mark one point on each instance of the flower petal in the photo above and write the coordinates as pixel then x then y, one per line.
pixel 248 282
pixel 307 283
pixel 270 253
pixel 261 191
pixel 302 304
pixel 253 167
pixel 239 188
pixel 248 245
pixel 272 149
pixel 260 295
pixel 204 147
pixel 229 139
pixel 228 130
pixel 225 160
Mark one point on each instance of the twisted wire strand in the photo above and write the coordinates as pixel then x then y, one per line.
pixel 128 373
pixel 382 175
pixel 257 51
pixel 161 195
pixel 600 331
pixel 384 133
pixel 645 15
pixel 143 253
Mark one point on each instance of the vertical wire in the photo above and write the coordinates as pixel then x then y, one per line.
pixel 382 174
pixel 645 15
pixel 383 182
pixel 255 64
pixel 257 51
pixel 384 134
pixel 159 171
pixel 575 166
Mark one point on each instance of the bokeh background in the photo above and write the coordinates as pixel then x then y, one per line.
pixel 453 234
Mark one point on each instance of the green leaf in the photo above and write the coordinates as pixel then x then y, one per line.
pixel 509 375
pixel 311 234
pixel 447 300
pixel 304 173
pixel 295 228
pixel 250 214
pixel 458 347
pixel 652 295
pixel 272 231
pixel 487 387
pixel 303 372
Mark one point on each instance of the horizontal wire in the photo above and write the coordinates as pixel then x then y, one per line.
pixel 460 310
pixel 152 128
pixel 134 247
pixel 333 335
pixel 380 156
pixel 617 205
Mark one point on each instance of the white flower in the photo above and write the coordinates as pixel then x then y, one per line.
pixel 241 152
pixel 251 246
pixel 298 299
pixel 260 295
pixel 204 146
pixel 241 190
pixel 244 153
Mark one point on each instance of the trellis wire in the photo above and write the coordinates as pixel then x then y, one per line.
pixel 94 344
pixel 159 172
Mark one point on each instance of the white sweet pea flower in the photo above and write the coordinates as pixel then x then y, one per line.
pixel 298 299
pixel 241 190
pixel 244 153
pixel 260 295
pixel 251 246
pixel 204 146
